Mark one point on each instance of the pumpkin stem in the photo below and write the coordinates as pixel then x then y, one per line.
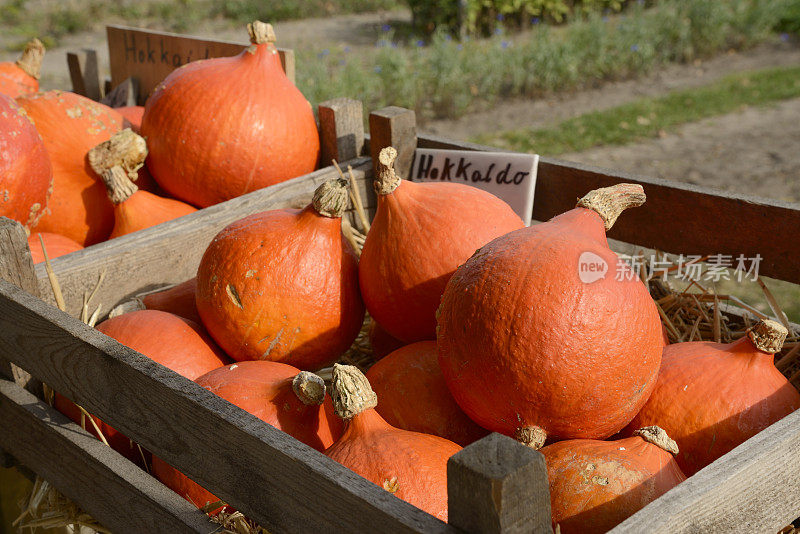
pixel 309 388
pixel 31 59
pixel 260 32
pixel 330 198
pixel 657 436
pixel 351 391
pixel 125 149
pixel 387 180
pixel 531 436
pixel 768 336
pixel 119 186
pixel 609 202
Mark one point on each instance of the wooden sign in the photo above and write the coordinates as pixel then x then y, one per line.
pixel 149 56
pixel 511 177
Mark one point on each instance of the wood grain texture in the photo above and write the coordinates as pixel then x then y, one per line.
pixel 125 94
pixel 753 488
pixel 396 127
pixel 497 485
pixel 169 253
pixel 281 483
pixel 112 489
pixel 149 56
pixel 84 73
pixel 341 124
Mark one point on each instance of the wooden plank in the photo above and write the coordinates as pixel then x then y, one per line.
pixel 753 488
pixel 84 73
pixel 125 94
pixel 274 479
pixel 112 489
pixel 169 253
pixel 149 56
pixel 397 127
pixel 678 218
pixel 497 485
pixel 341 124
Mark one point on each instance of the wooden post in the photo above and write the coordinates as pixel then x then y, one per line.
pixel 341 125
pixel 288 63
pixel 397 127
pixel 125 94
pixel 84 73
pixel 497 485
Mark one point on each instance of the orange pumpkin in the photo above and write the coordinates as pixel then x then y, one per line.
pixel 267 133
pixel 132 114
pixel 411 465
pixel 22 76
pixel 595 485
pixel 414 395
pixel 178 300
pixel 708 416
pixel 530 346
pixel 26 177
pixel 381 341
pixel 289 399
pixel 118 161
pixel 282 285
pixel 56 245
pixel 421 233
pixel 172 341
pixel 70 126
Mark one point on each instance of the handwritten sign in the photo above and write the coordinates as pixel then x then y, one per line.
pixel 511 177
pixel 149 56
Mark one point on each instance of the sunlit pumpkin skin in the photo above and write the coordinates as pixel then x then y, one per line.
pixel 414 396
pixel 708 416
pixel 71 125
pixel 282 285
pixel 381 341
pixel 596 485
pixel 410 465
pixel 178 300
pixel 530 350
pixel 21 77
pixel 281 395
pixel 266 135
pixel 421 233
pixel 56 245
pixel 132 114
pixel 185 487
pixel 26 177
pixel 172 341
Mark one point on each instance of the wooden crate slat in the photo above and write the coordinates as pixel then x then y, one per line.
pixel 112 489
pixel 753 488
pixel 271 477
pixel 170 252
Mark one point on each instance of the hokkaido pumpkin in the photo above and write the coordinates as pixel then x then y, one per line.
pixel 22 76
pixel 421 233
pixel 289 399
pixel 381 341
pixel 411 465
pixel 172 341
pixel 595 485
pixel 56 245
pixel 178 300
pixel 711 397
pixel 282 285
pixel 118 161
pixel 26 177
pixel 414 396
pixel 267 133
pixel 533 343
pixel 132 114
pixel 70 126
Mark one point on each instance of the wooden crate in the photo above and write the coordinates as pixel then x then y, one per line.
pixel 494 485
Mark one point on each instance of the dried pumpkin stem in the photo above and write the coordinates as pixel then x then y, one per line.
pixel 609 202
pixel 657 436
pixel 531 436
pixel 768 336
pixel 119 186
pixel 309 388
pixel 387 179
pixel 261 32
pixel 125 149
pixel 351 391
pixel 330 198
pixel 31 59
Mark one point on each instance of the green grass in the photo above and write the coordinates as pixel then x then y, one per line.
pixel 647 117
